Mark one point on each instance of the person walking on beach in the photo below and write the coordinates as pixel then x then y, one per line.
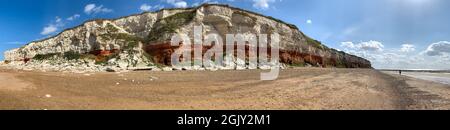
pixel 400 72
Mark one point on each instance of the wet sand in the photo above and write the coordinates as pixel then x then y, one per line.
pixel 443 78
pixel 295 89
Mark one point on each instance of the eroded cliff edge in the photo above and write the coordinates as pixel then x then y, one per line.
pixel 142 42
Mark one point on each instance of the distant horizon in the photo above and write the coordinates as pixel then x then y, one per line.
pixel 403 34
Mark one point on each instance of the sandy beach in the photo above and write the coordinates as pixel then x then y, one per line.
pixel 295 89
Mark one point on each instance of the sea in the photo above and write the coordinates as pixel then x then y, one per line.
pixel 442 77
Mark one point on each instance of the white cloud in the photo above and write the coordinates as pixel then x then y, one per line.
pixel 211 2
pixel 145 7
pixel 446 58
pixel 58 19
pixel 158 7
pixel 348 45
pixel 178 3
pixel 93 9
pixel 73 17
pixel 371 46
pixel 53 26
pixel 309 21
pixel 88 8
pixel 438 49
pixel 49 29
pixel 436 56
pixel 389 57
pixel 364 46
pixel 407 48
pixel 370 50
pixel 195 4
pixel 262 4
pixel 206 1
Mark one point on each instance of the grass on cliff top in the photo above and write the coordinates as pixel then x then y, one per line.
pixel 314 43
pixel 169 25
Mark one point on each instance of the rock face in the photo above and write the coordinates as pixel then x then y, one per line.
pixel 142 41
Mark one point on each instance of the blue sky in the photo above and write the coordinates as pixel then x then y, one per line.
pixel 409 34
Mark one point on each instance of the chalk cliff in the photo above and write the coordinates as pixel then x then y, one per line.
pixel 142 42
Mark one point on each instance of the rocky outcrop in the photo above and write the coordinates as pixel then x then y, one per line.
pixel 141 41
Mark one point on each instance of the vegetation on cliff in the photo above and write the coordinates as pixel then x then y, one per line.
pixel 45 56
pixel 69 55
pixel 314 43
pixel 169 25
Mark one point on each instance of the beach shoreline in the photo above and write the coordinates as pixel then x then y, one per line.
pixel 439 77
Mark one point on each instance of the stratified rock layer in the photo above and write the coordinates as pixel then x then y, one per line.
pixel 141 41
